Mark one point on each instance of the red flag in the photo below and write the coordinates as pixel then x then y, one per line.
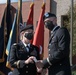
pixel 39 33
pixel 30 16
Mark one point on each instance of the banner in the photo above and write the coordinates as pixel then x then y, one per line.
pixel 30 16
pixel 12 39
pixel 39 33
pixel 2 38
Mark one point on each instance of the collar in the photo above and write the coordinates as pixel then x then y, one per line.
pixel 26 44
pixel 54 29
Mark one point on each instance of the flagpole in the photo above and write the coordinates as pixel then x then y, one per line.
pixel 8 2
pixel 8 15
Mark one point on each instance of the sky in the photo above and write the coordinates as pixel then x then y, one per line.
pixel 4 1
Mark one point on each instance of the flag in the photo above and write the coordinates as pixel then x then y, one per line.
pixel 14 34
pixel 6 22
pixel 5 29
pixel 12 39
pixel 30 16
pixel 39 33
pixel 2 38
pixel 19 17
pixel 8 18
pixel 3 69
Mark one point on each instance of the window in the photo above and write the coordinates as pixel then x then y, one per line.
pixel 64 19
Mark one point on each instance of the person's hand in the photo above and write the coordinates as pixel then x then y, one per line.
pixel 44 71
pixel 30 60
pixel 39 70
pixel 39 65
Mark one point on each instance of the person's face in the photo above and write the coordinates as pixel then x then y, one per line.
pixel 27 35
pixel 50 22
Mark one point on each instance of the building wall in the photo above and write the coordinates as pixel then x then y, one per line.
pixel 60 7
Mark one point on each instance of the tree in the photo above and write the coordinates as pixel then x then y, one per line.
pixel 67 24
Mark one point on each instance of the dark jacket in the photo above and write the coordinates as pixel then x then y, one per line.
pixel 18 55
pixel 58 49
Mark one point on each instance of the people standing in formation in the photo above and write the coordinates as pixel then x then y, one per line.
pixel 57 61
pixel 22 53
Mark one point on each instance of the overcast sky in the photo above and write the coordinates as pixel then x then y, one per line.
pixel 4 1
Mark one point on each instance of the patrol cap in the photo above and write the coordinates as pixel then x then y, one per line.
pixel 48 15
pixel 25 27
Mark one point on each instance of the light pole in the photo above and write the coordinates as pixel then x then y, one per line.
pixel 71 33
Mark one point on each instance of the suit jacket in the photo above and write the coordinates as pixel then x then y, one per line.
pixel 18 55
pixel 58 49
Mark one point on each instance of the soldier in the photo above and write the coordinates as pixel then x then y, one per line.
pixel 21 53
pixel 57 61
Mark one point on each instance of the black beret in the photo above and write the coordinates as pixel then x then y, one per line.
pixel 48 15
pixel 25 27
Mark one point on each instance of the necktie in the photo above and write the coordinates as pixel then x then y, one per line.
pixel 27 47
